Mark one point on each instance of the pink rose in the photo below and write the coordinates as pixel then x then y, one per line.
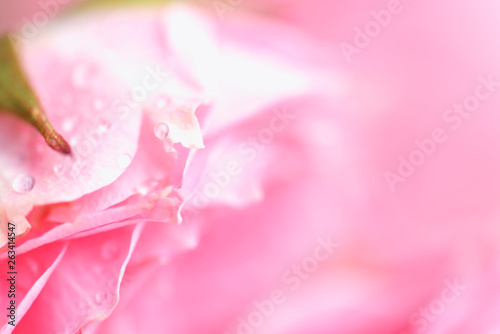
pixel 96 229
pixel 333 167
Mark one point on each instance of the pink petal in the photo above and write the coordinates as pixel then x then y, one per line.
pixel 33 272
pixel 85 286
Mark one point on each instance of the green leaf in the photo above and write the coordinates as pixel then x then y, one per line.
pixel 17 96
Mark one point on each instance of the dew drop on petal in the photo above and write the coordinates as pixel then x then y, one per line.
pixel 23 183
pixel 161 130
pixel 124 160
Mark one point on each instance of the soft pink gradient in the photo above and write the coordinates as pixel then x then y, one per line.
pixel 104 254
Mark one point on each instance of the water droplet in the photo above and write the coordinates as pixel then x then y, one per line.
pixel 110 250
pixel 104 126
pixel 161 130
pixel 57 168
pixel 124 160
pixel 23 183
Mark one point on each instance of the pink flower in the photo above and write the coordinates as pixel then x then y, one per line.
pixel 329 178
pixel 94 227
